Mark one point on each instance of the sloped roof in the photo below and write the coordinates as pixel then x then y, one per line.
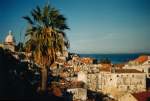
pixel 141 59
pixel 119 65
pixel 86 60
pixel 105 70
pixel 142 96
pixel 127 71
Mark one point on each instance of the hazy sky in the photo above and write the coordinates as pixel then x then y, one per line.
pixel 96 26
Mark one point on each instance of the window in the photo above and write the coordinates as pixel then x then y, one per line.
pixel 128 87
pixel 148 70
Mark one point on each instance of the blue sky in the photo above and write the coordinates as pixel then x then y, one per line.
pixel 96 26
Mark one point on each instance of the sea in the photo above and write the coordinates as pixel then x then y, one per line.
pixel 115 58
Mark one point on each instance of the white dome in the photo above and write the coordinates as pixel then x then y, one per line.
pixel 9 38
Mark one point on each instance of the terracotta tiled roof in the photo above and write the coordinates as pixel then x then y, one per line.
pixel 142 96
pixel 105 69
pixel 86 60
pixel 66 64
pixel 107 66
pixel 141 59
pixel 57 91
pixel 127 71
pixel 119 65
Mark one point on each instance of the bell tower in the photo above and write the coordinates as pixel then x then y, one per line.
pixel 9 42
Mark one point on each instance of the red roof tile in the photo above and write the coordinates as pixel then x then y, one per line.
pixel 106 65
pixel 127 71
pixel 119 65
pixel 86 60
pixel 141 59
pixel 142 96
pixel 105 69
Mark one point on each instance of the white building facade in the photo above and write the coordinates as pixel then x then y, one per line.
pixel 9 42
pixel 121 80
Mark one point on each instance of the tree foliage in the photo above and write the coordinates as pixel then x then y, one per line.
pixel 105 61
pixel 45 34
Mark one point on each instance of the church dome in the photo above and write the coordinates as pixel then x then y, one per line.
pixel 9 38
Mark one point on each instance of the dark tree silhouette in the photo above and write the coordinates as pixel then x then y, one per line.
pixel 20 47
pixel 105 61
pixel 45 37
pixel 12 77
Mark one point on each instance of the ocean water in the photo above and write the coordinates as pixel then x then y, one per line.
pixel 114 58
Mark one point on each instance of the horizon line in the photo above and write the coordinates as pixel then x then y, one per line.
pixel 112 53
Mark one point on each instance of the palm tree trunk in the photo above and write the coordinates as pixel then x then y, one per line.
pixel 44 76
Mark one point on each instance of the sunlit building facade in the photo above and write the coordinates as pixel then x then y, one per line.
pixel 9 42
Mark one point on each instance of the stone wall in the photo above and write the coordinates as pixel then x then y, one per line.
pixel 78 94
pixel 131 82
pixel 92 82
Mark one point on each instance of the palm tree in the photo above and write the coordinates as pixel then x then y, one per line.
pixel 45 37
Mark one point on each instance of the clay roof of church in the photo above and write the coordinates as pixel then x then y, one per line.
pixel 142 96
pixel 127 71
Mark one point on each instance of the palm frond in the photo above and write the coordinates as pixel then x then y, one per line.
pixel 46 34
pixel 28 19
